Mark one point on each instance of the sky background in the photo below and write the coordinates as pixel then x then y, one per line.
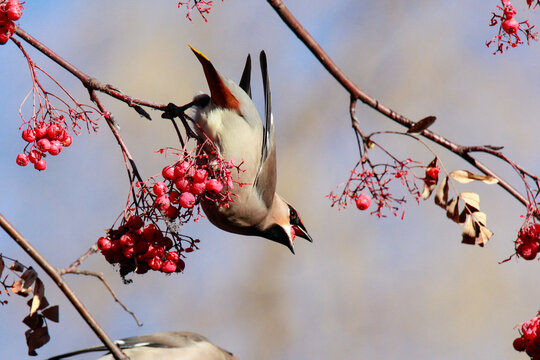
pixel 367 288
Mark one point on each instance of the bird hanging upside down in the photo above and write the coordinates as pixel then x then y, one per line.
pixel 229 118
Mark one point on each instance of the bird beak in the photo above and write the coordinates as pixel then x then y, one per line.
pixel 300 230
pixel 219 92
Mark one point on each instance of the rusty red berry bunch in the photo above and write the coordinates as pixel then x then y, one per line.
pixel 372 182
pixel 528 241
pixel 139 248
pixel 529 341
pixel 510 28
pixel 44 139
pixel 10 11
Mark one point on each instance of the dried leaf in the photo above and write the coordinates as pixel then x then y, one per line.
pixel 452 212
pixel 485 235
pixel 36 339
pixel 433 163
pixel 441 195
pixel 472 200
pixel 2 265
pixel 38 296
pixel 43 305
pixel 52 313
pixel 18 288
pixel 469 232
pixel 29 276
pixel 34 321
pixel 16 266
pixel 422 124
pixel 480 218
pixel 464 177
pixel 429 186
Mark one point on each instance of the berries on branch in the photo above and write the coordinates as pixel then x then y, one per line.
pixel 510 28
pixel 10 11
pixel 529 339
pixel 202 6
pixel 149 237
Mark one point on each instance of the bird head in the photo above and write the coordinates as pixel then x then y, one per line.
pixel 286 225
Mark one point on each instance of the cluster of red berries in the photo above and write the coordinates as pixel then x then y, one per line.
pixel 44 138
pixel 10 11
pixel 529 341
pixel 140 248
pixel 528 242
pixel 186 183
pixel 509 27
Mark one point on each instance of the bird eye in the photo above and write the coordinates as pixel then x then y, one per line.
pixel 292 213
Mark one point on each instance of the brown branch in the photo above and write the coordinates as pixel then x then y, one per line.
pixel 64 287
pixel 357 94
pixel 106 284
pixel 79 261
pixel 89 82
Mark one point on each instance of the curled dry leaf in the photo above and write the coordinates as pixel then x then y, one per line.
pixel 464 177
pixel 28 277
pixel 429 184
pixel 19 289
pixel 441 195
pixel 52 313
pixel 36 339
pixel 422 124
pixel 472 200
pixel 39 290
pixel 475 231
pixel 2 265
pixel 34 321
pixel 16 266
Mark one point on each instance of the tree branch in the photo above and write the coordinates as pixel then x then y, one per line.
pixel 357 94
pixel 64 287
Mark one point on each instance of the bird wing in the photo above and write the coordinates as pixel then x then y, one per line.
pixel 265 181
pixel 245 80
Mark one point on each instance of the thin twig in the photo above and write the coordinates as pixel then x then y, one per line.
pixel 64 287
pixel 109 288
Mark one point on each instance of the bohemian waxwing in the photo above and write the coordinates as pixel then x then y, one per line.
pixel 229 118
pixel 162 346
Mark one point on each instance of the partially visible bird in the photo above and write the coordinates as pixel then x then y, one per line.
pixel 230 119
pixel 162 346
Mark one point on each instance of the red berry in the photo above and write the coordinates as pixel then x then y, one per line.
pixel 363 201
pixel 128 252
pixel 159 188
pixel 40 165
pixel 510 26
pixel 198 188
pixel 200 176
pixel 183 185
pixel 180 265
pixel 13 10
pixel 104 244
pixel 41 130
pixel 34 156
pixel 56 147
pixel 22 160
pixel 43 145
pixel 520 344
pixel 7 28
pixel 127 240
pixel 214 185
pixel 433 172
pixel 141 247
pixel 67 141
pixel 166 243
pixel 187 200
pixel 29 135
pixel 172 212
pixel 173 196
pixel 162 202
pixel 168 266
pixel 135 222
pixel 181 169
pixel 168 173
pixel 54 131
pixel 173 256
pixel 155 263
pixel 151 232
pixel 527 251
